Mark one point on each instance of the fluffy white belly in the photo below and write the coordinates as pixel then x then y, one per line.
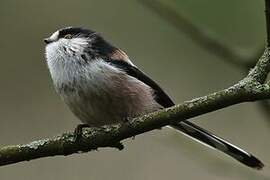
pixel 100 94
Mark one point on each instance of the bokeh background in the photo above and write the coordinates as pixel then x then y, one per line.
pixel 30 109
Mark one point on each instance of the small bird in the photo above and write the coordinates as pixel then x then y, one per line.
pixel 101 86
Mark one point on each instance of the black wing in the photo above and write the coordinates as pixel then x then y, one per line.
pixel 187 127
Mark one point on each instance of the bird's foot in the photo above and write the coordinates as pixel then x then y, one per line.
pixel 128 122
pixel 78 131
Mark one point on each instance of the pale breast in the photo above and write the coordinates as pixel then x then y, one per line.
pixel 100 94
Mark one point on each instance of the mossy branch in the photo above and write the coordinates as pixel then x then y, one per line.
pixel 207 41
pixel 249 89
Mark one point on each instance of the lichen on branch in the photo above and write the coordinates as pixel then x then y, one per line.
pixel 250 88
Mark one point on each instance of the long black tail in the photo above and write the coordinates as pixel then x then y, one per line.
pixel 218 143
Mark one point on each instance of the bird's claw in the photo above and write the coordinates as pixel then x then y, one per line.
pixel 78 131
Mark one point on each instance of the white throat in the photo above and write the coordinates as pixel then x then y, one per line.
pixel 64 58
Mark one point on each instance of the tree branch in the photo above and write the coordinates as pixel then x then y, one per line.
pixel 207 41
pixel 246 90
pixel 251 88
pixel 201 37
pixel 267 16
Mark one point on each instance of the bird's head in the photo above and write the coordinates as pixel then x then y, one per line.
pixel 78 44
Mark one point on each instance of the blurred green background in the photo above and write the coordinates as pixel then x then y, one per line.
pixel 30 109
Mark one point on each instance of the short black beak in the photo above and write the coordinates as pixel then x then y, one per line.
pixel 47 40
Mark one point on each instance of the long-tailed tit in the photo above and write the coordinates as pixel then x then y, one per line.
pixel 101 86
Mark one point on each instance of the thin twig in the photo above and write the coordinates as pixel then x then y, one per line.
pixel 206 40
pixel 267 15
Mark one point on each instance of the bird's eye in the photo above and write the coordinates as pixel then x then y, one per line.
pixel 68 36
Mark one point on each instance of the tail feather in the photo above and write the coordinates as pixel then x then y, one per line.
pixel 209 139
